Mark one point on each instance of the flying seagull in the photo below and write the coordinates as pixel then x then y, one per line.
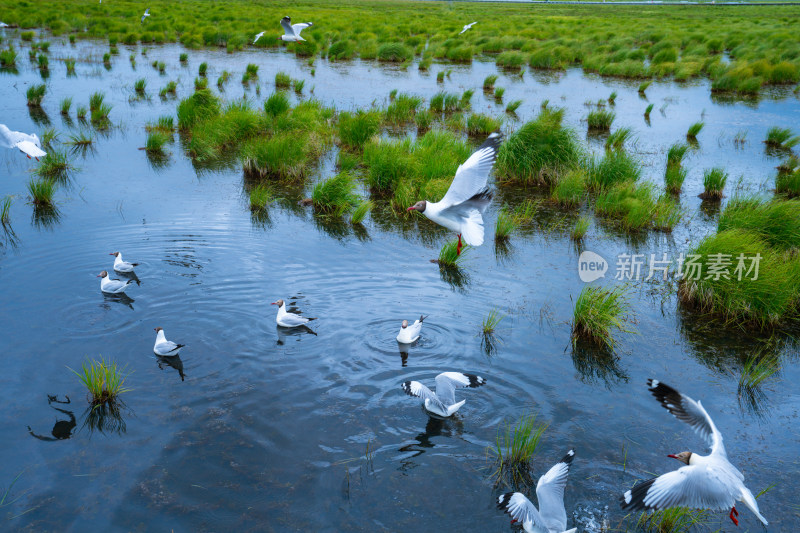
pixel 287 319
pixel 112 286
pixel 443 401
pixel 467 26
pixel 462 207
pixel 122 266
pixel 707 481
pixel 293 30
pixel 258 36
pixel 551 517
pixel 146 14
pixel 163 347
pixel 27 144
pixel 410 332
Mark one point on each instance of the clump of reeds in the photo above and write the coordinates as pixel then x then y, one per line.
pixel 105 381
pixel 394 52
pixel 647 111
pixel 35 95
pixel 184 57
pixel 482 125
pixel 44 62
pixel 140 85
pixel 66 104
pixel 694 129
pixel 598 313
pixel 449 257
pixel 202 105
pixel 511 60
pixel 788 183
pixel 512 107
pixel 777 222
pixel 443 102
pixel 335 195
pixel 277 104
pixel 42 191
pixel 675 174
pixel 54 165
pixel 361 211
pixel 164 123
pixel 781 138
pixel 488 83
pixel 612 98
pixel 614 168
pixel 5 212
pixel 581 227
pixel 713 183
pixel 643 87
pixel 260 196
pixel 402 109
pixel 672 520
pixel 70 64
pixel 600 120
pixel 491 321
pixel 80 112
pixel 283 80
pixel 756 370
pixel 355 129
pixel 616 140
pixel 200 84
pixel 203 69
pixel 8 58
pixel 80 139
pixel 156 141
pixel 498 93
pixel 170 88
pixel 514 449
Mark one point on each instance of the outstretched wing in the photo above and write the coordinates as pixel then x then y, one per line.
pixel 472 175
pixel 297 28
pixel 448 382
pixel 521 509
pixel 694 486
pixel 286 22
pixel 415 388
pixel 31 149
pixel 550 492
pixel 687 410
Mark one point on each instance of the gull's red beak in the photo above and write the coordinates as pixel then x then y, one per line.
pixel 411 208
pixel 274 303
pixel 112 253
pixel 97 276
pixel 673 456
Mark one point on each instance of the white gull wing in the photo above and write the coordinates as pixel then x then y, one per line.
pixel 687 410
pixel 448 382
pixel 291 320
pixel 472 175
pixel 550 492
pixel 166 348
pixel 258 36
pixel 286 22
pixel 10 139
pixel 466 27
pixel 522 510
pixel 415 388
pixel 27 147
pixel 297 28
pixel 113 286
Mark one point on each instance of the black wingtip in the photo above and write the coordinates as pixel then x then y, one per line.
pixel 663 392
pixel 135 264
pixel 494 140
pixel 482 196
pixel 503 500
pixel 475 381
pixel 633 499
pixel 569 457
pixel 422 318
pixel 180 346
pixel 406 386
pixel 310 318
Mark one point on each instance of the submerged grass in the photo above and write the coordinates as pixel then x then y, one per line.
pixel 260 196
pixel 105 381
pixel 599 313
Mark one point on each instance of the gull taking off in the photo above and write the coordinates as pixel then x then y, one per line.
pixel 112 286
pixel 27 144
pixel 410 333
pixel 707 481
pixel 122 266
pixel 293 30
pixel 146 14
pixel 443 401
pixel 287 319
pixel 467 26
pixel 163 347
pixel 551 516
pixel 258 36
pixel 462 207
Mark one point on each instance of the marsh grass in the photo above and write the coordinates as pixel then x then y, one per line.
pixel 394 52
pixel 335 195
pixel 42 191
pixel 80 112
pixel 200 84
pixel 361 211
pixel 777 222
pixel 714 181
pixel 570 189
pixel 43 61
pixel 448 255
pixel 5 212
pixel 184 57
pixel 498 93
pixel 512 107
pixel 70 64
pixel 80 139
pixel 482 125
pixel 402 109
pixel 643 87
pixel 672 520
pixel 488 83
pixel 66 104
pixel 223 79
pixel 355 129
pixel 781 138
pixel 600 120
pixel 35 95
pixel 675 174
pixel 55 165
pixel 140 85
pixel 298 86
pixel 788 183
pixel 505 225
pixel 203 69
pixel 155 142
pixel 581 227
pixel 260 196
pixel 277 104
pixel 617 139
pixel 694 129
pixel 616 167
pixel 443 102
pixel 491 321
pixel 513 451
pixel 612 98
pixel 105 381
pixel 647 111
pixel 599 313
pixel 8 58
pixel 283 80
pixel 756 370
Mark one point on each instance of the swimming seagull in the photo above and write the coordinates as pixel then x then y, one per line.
pixel 293 30
pixel 258 36
pixel 462 207
pixel 443 401
pixel 707 481
pixel 551 517
pixel 287 319
pixel 410 333
pixel 467 26
pixel 112 286
pixel 27 144
pixel 146 14
pixel 122 266
pixel 163 347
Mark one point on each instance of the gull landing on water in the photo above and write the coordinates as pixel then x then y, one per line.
pixel 163 347
pixel 27 144
pixel 467 26
pixel 551 517
pixel 122 266
pixel 112 286
pixel 287 319
pixel 443 401
pixel 707 481
pixel 462 207
pixel 292 31
pixel 410 333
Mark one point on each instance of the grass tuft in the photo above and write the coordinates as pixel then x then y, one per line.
pixel 713 183
pixel 580 228
pixel 361 211
pixel 617 139
pixel 598 313
pixel 42 191
pixel 66 104
pixel 514 449
pixel 35 95
pixel 335 195
pixel 694 129
pixel 600 120
pixel 672 520
pixel 105 381
pixel 260 196
pixel 781 138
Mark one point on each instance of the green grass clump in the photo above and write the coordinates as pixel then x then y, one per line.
pixel 361 211
pixel 512 107
pixel 66 105
pixel 788 183
pixel 599 312
pixel 105 381
pixel 506 224
pixel 277 104
pixel 488 83
pixel 511 60
pixel 777 222
pixel 402 109
pixel 570 189
pixel 35 95
pixel 96 100
pixel 713 183
pixel 647 111
pixel 614 168
pixel 444 102
pixel 394 52
pixel 170 88
pixel 674 177
pixel 616 140
pixel 42 191
pixel 54 165
pixel 223 79
pixel 482 125
pixel 200 84
pixel 70 64
pixel 260 196
pixel 27 35
pixel 285 155
pixel 140 85
pixel 44 62
pixel 676 153
pixel 203 69
pixel 630 204
pixel 156 141
pixel 202 105
pixel 694 129
pixel 99 115
pixel 341 50
pixel 335 195
pixel 672 520
pixel 355 129
pixel 448 255
pixel 490 323
pixel 283 80
pixel 498 93
pixel 600 120
pixel 80 112
pixel 424 120
pixel 8 57
pixel 643 87
pixel 80 139
pixel 514 449
pixel 580 228
pixel 5 211
pixel 781 138
pixel 184 57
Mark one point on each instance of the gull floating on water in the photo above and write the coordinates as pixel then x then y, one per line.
pixel 146 14
pixel 258 36
pixel 551 517
pixel 410 333
pixel 467 26
pixel 27 144
pixel 122 266
pixel 163 347
pixel 443 401
pixel 293 30
pixel 462 207
pixel 112 286
pixel 707 481
pixel 287 319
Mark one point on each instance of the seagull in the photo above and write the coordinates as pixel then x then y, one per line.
pixel 287 319
pixel 3 25
pixel 293 30
pixel 443 402
pixel 146 14
pixel 463 205
pixel 409 334
pixel 707 481
pixel 467 26
pixel 112 286
pixel 163 347
pixel 122 266
pixel 551 516
pixel 29 145
pixel 258 36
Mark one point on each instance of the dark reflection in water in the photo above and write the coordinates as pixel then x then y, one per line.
pixel 39 116
pixel 128 275
pixel 120 298
pixel 361 233
pixel 334 226
pixel 173 361
pixel 107 418
pixel 404 349
pixel 597 365
pixel 454 276
pixel 158 161
pixel 299 331
pixel 45 216
pixel 260 218
pixel 436 427
pixel 62 429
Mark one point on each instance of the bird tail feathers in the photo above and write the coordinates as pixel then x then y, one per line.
pixel 455 407
pixel 750 502
pixel 472 228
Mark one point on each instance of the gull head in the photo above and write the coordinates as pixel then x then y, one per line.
pixel 115 254
pixel 405 324
pixel 157 329
pixel 279 303
pixel 102 274
pixel 419 206
pixel 682 457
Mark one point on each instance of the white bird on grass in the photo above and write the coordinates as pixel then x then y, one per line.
pixel 467 26
pixel 29 145
pixel 122 266
pixel 462 207
pixel 293 30
pixel 410 333
pixel 551 517
pixel 706 482
pixel 443 401
pixel 163 347
pixel 112 286
pixel 257 37
pixel 287 319
pixel 146 14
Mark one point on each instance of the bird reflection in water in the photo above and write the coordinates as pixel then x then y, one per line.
pixel 403 353
pixel 121 298
pixel 173 361
pixel 436 427
pixel 129 275
pixel 297 331
pixel 62 429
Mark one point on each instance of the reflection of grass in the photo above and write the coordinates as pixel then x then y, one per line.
pixel 755 371
pixel 105 381
pixel 580 228
pixel 598 313
pixel 673 520
pixel 260 196
pixel 5 211
pixel 513 450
